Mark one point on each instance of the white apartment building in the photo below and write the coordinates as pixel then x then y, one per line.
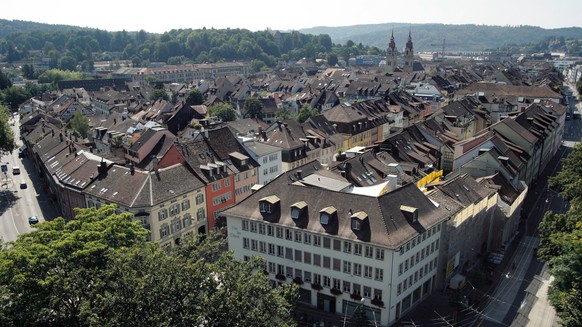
pixel 339 246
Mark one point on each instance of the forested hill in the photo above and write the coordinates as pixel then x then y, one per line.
pixel 429 37
pixel 8 27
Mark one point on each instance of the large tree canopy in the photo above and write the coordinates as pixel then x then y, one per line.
pixel 99 270
pixel 561 242
pixel 222 110
pixel 6 135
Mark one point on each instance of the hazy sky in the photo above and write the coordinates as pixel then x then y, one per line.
pixel 161 16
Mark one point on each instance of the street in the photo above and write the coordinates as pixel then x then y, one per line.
pixel 17 204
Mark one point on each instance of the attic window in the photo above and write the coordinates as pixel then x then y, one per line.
pixel 266 205
pixel 297 209
pixel 358 219
pixel 325 215
pixel 411 213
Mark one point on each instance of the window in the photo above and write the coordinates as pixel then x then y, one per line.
pixel 272 267
pixel 317 279
pixel 162 214
pixel 400 266
pixel 279 232
pixel 265 207
pixel 326 281
pixel 216 186
pixel 280 251
pixel 316 259
pixel 347 247
pixel 254 245
pixel 288 234
pixel 185 205
pixel 379 274
pixel 337 283
pixel 289 271
pixel 280 269
pixel 262 246
pixel 357 289
pixel 307 238
pixel 326 262
pixel 298 255
pixel 298 236
pixel 399 289
pixel 356 224
pixel 358 249
pixel 367 271
pixel 227 182
pixel 337 264
pixel 369 252
pixel 201 214
pixel 307 257
pixel 262 228
pixel 307 277
pixel 379 254
pixel 199 198
pixel 295 212
pixel 187 221
pixel 326 242
pixel 337 245
pixel 253 227
pixel 245 243
pixel 367 292
pixel 357 269
pixel 378 294
pixel 271 249
pixel 316 240
pixel 347 267
pixel 289 253
pixel 347 287
pixel 270 231
pixel 324 218
pixel 245 225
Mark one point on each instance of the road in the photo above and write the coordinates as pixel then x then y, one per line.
pixel 17 204
pixel 510 296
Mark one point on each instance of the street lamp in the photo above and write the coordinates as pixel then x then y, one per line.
pixel 346 313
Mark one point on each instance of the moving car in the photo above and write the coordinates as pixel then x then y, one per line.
pixel 33 220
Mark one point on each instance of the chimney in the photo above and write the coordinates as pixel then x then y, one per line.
pixel 115 121
pixel 102 167
pixel 298 174
pixel 264 135
pixel 392 182
pixel 155 163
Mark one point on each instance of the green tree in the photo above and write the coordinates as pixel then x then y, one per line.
pixel 159 94
pixel 79 124
pixel 252 108
pixel 332 59
pixel 14 96
pixel 359 318
pixel 561 242
pixel 194 97
pixel 5 82
pixel 306 112
pixel 98 270
pixel 222 110
pixel 7 144
pixel 47 274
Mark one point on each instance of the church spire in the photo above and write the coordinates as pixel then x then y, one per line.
pixel 392 44
pixel 409 53
pixel 391 54
pixel 409 42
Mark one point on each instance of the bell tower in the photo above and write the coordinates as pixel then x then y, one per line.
pixel 391 55
pixel 408 54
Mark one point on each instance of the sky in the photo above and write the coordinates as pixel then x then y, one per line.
pixel 256 15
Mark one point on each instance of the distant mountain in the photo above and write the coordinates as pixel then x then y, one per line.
pixel 429 37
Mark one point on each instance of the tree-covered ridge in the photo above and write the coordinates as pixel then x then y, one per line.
pixel 99 270
pixel 429 37
pixel 561 242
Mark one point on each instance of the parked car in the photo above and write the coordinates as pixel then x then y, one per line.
pixel 33 220
pixel 15 170
pixel 23 185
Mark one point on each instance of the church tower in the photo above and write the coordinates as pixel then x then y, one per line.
pixel 408 54
pixel 391 55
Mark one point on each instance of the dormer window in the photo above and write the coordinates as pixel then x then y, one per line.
pixel 358 220
pixel 326 215
pixel 297 209
pixel 267 204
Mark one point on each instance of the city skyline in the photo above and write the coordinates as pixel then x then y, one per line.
pixel 256 15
